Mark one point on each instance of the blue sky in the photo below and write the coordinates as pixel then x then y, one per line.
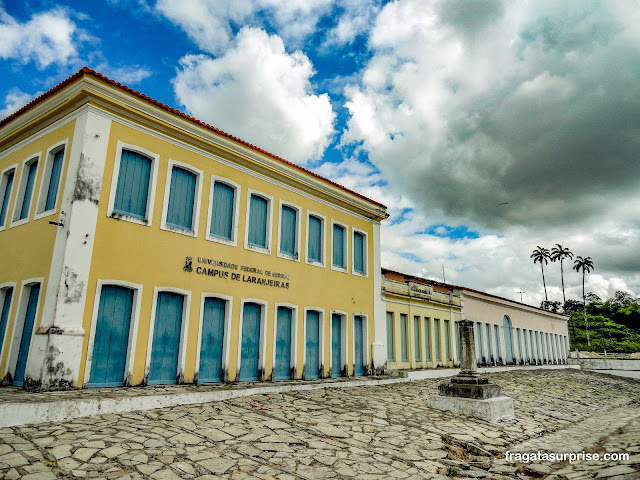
pixel 486 127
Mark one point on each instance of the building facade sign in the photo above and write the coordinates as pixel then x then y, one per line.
pixel 238 277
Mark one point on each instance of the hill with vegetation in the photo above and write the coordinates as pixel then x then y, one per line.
pixel 613 325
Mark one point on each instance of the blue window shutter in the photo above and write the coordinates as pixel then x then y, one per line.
pixel 416 337
pixel 181 197
pixel 390 338
pixel 427 339
pixel 288 230
pixel 4 313
pixel 258 221
pixel 28 190
pixel 133 185
pixel 338 246
pixel 54 179
pixel 5 198
pixel 436 337
pixel 447 341
pixel 222 211
pixel 358 252
pixel 403 337
pixel 315 239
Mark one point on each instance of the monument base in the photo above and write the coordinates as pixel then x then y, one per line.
pixel 492 410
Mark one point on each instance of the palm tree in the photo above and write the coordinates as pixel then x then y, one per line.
pixel 586 266
pixel 542 255
pixel 560 253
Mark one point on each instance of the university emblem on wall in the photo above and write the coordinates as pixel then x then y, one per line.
pixel 188 264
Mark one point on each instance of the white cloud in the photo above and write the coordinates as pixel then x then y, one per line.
pixel 46 38
pixel 210 23
pixel 127 75
pixel 14 101
pixel 260 93
pixel 522 103
pixel 356 18
pixel 295 19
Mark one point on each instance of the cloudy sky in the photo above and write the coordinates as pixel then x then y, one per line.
pixel 486 127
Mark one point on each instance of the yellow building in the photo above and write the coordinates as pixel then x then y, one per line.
pixel 421 322
pixel 140 245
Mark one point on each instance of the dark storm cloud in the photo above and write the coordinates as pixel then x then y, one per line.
pixel 540 110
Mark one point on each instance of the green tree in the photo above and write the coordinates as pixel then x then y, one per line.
pixel 542 255
pixel 560 253
pixel 586 266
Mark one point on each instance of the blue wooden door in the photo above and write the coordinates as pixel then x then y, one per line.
pixel 166 339
pixel 4 314
pixel 250 353
pixel 283 344
pixel 27 329
pixel 312 363
pixel 111 339
pixel 336 345
pixel 358 352
pixel 212 340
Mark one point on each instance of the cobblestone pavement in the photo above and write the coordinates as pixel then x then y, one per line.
pixel 364 432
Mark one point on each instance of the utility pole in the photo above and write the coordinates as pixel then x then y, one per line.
pixel 444 280
pixel 520 292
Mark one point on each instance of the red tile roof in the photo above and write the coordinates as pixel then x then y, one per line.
pixel 87 71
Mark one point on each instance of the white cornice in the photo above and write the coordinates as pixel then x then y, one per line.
pixel 41 133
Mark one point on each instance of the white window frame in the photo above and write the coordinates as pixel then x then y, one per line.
pixel 3 292
pixel 155 160
pixel 182 349
pixel 293 364
pixel 46 180
pixel 193 232
pixel 323 246
pixel 365 253
pixel 345 247
pixel 321 341
pixel 344 344
pixel 3 186
pixel 269 199
pixel 296 256
pixel 365 341
pixel 22 186
pixel 226 339
pixel 236 211
pixel 18 325
pixel 262 345
pixel 133 328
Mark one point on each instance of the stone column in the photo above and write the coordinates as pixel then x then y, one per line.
pixel 467 349
pixel 468 393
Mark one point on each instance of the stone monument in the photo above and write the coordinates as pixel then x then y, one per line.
pixel 468 393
